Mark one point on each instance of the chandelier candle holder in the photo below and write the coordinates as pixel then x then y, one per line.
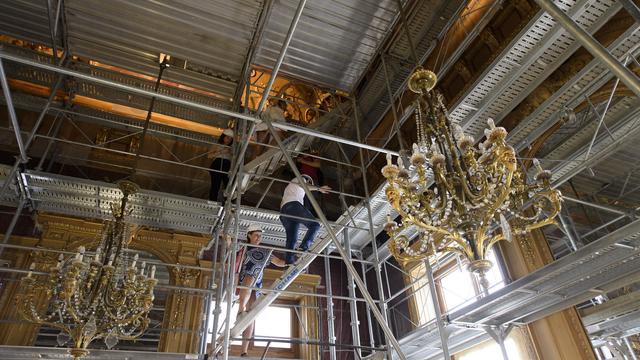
pixel 104 296
pixel 462 199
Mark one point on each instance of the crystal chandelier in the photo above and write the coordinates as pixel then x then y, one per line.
pixel 460 198
pixel 104 296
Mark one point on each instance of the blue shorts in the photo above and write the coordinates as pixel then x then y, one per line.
pixel 254 271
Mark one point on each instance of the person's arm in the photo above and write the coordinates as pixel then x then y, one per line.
pixel 214 151
pixel 323 189
pixel 277 261
pixel 227 239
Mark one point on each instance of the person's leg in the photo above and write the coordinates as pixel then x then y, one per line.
pixel 244 294
pixel 312 227
pixel 248 332
pixel 312 230
pixel 224 178
pixel 307 205
pixel 291 228
pixel 216 179
pixel 215 186
pixel 246 336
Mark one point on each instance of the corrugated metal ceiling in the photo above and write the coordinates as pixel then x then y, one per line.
pixel 333 43
pixel 615 180
pixel 25 20
pixel 213 35
pixel 427 21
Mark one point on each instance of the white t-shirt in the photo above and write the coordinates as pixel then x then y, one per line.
pixel 224 152
pixel 273 113
pixel 293 192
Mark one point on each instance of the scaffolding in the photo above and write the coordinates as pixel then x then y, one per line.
pixel 25 180
pixel 447 333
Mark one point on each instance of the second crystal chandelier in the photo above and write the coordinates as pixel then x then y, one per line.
pixel 104 296
pixel 462 199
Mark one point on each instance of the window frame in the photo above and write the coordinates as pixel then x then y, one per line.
pixel 443 270
pixel 414 307
pixel 291 353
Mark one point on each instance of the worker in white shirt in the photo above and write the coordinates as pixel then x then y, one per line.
pixel 293 204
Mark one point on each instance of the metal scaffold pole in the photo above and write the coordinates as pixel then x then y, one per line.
pixel 231 281
pixel 205 321
pixel 231 284
pixel 592 45
pixel 331 318
pixel 219 293
pixel 12 113
pixel 355 330
pixel 332 236
pixel 632 352
pixel 235 176
pixel 372 341
pixel 34 130
pixel 187 103
pixel 394 110
pixel 23 147
pixel 374 244
pixel 436 307
pixel 267 90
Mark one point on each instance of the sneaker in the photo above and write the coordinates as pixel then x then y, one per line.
pixel 243 355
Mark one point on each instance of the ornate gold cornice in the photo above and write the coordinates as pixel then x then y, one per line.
pixel 58 226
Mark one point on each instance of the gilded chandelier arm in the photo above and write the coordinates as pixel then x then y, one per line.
pixel 396 205
pixel 553 196
pixel 492 242
pixel 486 221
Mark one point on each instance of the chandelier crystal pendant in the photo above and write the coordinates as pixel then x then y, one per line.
pixel 104 296
pixel 460 198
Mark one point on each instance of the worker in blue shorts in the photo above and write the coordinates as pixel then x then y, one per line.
pixel 254 261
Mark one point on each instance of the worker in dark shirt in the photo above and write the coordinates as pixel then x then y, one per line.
pixel 221 154
pixel 309 165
